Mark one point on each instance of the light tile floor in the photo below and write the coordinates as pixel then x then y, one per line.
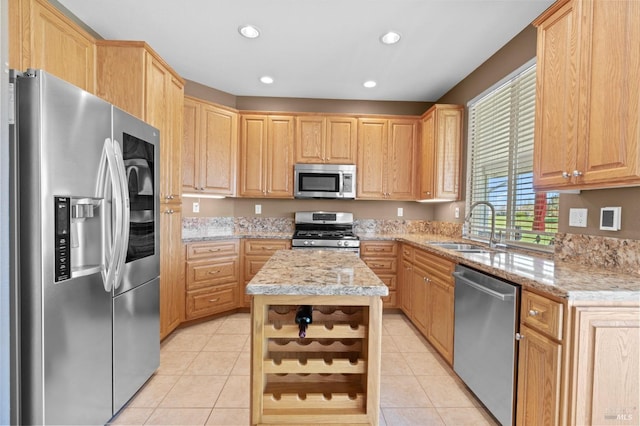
pixel 203 379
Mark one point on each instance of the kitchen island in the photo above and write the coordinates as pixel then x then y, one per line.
pixel 332 374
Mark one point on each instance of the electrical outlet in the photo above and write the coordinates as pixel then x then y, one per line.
pixel 258 209
pixel 456 213
pixel 196 207
pixel 578 218
pixel 400 212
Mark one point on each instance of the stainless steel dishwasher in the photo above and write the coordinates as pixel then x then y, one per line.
pixel 484 351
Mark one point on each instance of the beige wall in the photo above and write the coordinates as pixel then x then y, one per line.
pixel 361 209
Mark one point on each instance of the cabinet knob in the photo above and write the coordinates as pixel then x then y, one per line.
pixel 519 336
pixel 426 280
pixel 169 197
pixel 566 175
pixel 577 173
pixel 533 313
pixel 170 211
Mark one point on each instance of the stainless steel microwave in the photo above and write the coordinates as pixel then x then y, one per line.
pixel 325 181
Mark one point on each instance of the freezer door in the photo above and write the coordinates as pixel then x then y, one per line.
pixel 136 346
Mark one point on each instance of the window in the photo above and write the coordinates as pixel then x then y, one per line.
pixel 500 165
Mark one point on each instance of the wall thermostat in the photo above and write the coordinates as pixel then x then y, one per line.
pixel 610 218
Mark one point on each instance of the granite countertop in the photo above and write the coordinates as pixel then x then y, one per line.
pixel 566 280
pixel 316 273
pixel 227 235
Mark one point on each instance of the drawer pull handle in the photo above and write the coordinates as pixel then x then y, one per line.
pixel 214 250
pixel 213 272
pixel 213 300
pixel 533 313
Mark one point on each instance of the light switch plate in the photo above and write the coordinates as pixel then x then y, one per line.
pixel 196 207
pixel 578 218
pixel 258 209
pixel 400 212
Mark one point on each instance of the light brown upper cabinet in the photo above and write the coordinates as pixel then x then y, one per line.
pixel 210 148
pixel 266 156
pixel 387 152
pixel 153 92
pixel 588 85
pixel 440 154
pixel 40 36
pixel 326 139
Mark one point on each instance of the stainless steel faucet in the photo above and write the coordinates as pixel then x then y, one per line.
pixel 492 237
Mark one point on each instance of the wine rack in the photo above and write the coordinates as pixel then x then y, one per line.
pixel 329 377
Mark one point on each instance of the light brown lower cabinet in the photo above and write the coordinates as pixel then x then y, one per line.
pixel 171 268
pixel 578 362
pixel 212 272
pixel 255 253
pixel 427 290
pixel 382 258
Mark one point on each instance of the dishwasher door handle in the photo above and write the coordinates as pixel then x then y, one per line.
pixel 496 294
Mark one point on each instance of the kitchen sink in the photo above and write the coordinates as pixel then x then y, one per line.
pixel 461 247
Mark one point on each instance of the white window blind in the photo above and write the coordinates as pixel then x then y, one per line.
pixel 500 166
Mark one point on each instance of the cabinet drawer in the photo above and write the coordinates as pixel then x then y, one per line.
pixel 209 249
pixel 542 314
pixel 207 273
pixel 390 301
pixel 378 248
pixel 389 281
pixel 211 300
pixel 382 265
pixel 262 247
pixel 435 265
pixel 407 252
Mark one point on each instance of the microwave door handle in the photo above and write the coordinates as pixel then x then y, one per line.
pixel 341 189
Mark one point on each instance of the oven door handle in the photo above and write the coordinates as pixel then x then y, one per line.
pixel 495 294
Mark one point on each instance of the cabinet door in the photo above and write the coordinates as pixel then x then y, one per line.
pixel 310 139
pixel 171 269
pixel 448 153
pixel 427 156
pixel 50 41
pixel 280 157
pixel 406 278
pixel 218 148
pixel 341 140
pixel 419 307
pixel 253 145
pixel 401 160
pixel 172 149
pixel 538 379
pixel 440 299
pixel 556 133
pixel 606 365
pixel 372 148
pixel 609 132
pixel 190 146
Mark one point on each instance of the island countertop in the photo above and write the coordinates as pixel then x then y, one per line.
pixel 316 273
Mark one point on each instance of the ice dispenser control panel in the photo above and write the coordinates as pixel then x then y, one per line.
pixel 62 238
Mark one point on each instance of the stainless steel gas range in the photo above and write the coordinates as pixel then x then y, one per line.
pixel 326 231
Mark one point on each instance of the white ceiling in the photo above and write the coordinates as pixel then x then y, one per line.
pixel 317 48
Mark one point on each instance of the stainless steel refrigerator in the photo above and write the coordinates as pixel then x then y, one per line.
pixel 88 258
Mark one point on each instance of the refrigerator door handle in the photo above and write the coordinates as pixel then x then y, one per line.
pixel 124 230
pixel 112 248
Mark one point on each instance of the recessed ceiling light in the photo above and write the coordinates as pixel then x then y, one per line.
pixel 266 79
pixel 249 31
pixel 369 84
pixel 390 38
